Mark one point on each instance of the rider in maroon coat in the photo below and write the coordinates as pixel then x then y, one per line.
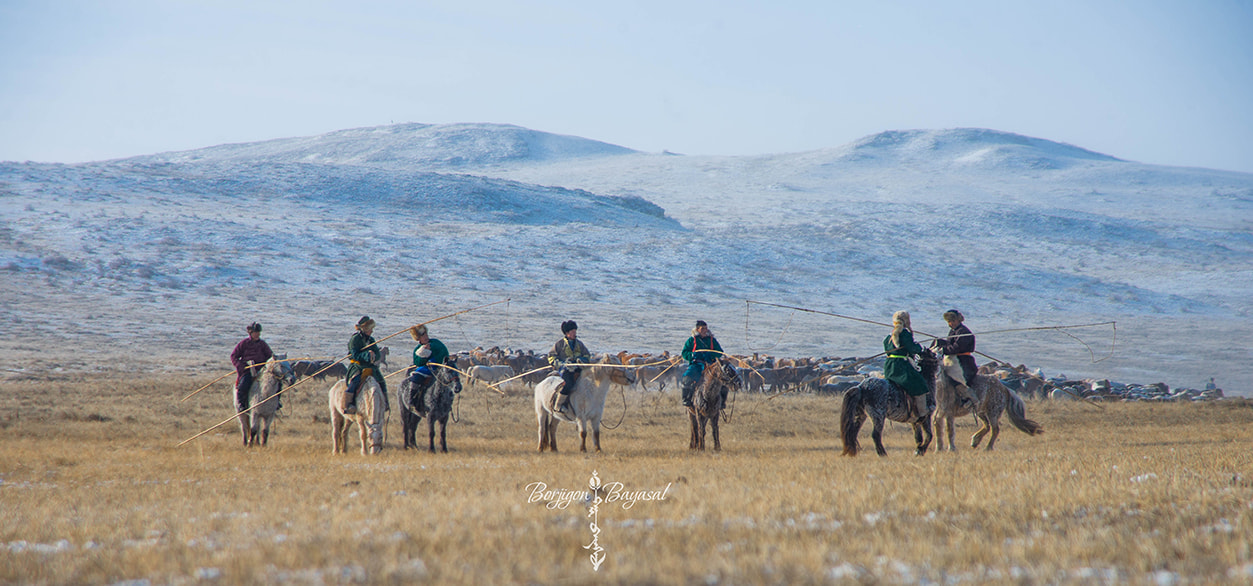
pixel 251 349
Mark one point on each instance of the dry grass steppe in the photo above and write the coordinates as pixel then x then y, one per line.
pixel 94 490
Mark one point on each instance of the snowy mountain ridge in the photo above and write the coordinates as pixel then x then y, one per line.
pixel 405 147
pixel 409 221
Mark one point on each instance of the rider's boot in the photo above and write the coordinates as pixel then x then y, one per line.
pixel 349 406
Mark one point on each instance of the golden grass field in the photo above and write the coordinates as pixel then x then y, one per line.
pixel 93 490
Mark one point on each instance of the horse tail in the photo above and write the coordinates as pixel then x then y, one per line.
pixel 850 423
pixel 1017 412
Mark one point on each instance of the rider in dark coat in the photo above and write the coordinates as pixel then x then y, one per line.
pixel 363 355
pixel 899 346
pixel 428 351
pixel 249 351
pixel 565 357
pixel 699 351
pixel 958 349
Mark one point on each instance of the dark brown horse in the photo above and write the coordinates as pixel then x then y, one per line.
pixel 708 400
pixel 885 400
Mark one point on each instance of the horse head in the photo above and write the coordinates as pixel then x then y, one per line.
pixel 729 375
pixel 928 364
pixel 446 376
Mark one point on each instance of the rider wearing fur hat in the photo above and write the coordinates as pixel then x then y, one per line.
pixel 428 351
pixel 699 350
pixel 248 352
pixel 567 353
pixel 363 353
pixel 958 349
pixel 899 346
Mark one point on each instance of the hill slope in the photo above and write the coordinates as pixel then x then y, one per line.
pixel 414 221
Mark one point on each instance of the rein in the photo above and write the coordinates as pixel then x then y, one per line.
pixel 622 390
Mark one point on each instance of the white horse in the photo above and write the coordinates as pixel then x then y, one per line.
pixel 587 399
pixel 255 424
pixel 371 407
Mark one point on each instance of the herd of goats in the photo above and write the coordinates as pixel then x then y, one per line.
pixel 865 395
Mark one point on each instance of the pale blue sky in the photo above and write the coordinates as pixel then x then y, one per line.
pixel 1157 82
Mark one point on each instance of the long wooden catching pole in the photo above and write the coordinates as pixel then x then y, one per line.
pixel 193 393
pixel 327 367
pixel 933 336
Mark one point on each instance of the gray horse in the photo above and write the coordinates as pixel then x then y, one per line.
pixel 437 403
pixel 885 400
pixel 255 424
pixel 992 398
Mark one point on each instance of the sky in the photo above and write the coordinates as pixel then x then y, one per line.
pixel 1163 82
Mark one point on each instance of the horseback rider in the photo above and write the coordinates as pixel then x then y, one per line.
pixel 699 350
pixel 364 353
pixel 899 346
pixel 249 352
pixel 567 354
pixel 428 351
pixel 958 349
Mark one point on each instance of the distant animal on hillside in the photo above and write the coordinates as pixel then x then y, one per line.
pixel 587 401
pixel 708 401
pixel 885 400
pixel 371 407
pixel 991 399
pixel 436 402
pixel 255 424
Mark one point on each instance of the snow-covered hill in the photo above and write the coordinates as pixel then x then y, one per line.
pixel 172 253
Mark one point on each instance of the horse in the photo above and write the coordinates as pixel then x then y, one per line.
pixel 587 399
pixel 371 407
pixel 255 424
pixel 438 405
pixel 992 398
pixel 885 400
pixel 709 399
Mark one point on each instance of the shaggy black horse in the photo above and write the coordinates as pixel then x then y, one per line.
pixel 885 400
pixel 437 403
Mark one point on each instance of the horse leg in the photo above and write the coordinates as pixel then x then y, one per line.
pixel 336 421
pixel 996 430
pixel 430 426
pixel 443 434
pixel 265 431
pixel 542 428
pixel 692 442
pixel 552 434
pixel 983 430
pixel 596 436
pixel 411 430
pixel 717 442
pixel 365 435
pixel 927 434
pixel 582 436
pixel 246 428
pixel 877 434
